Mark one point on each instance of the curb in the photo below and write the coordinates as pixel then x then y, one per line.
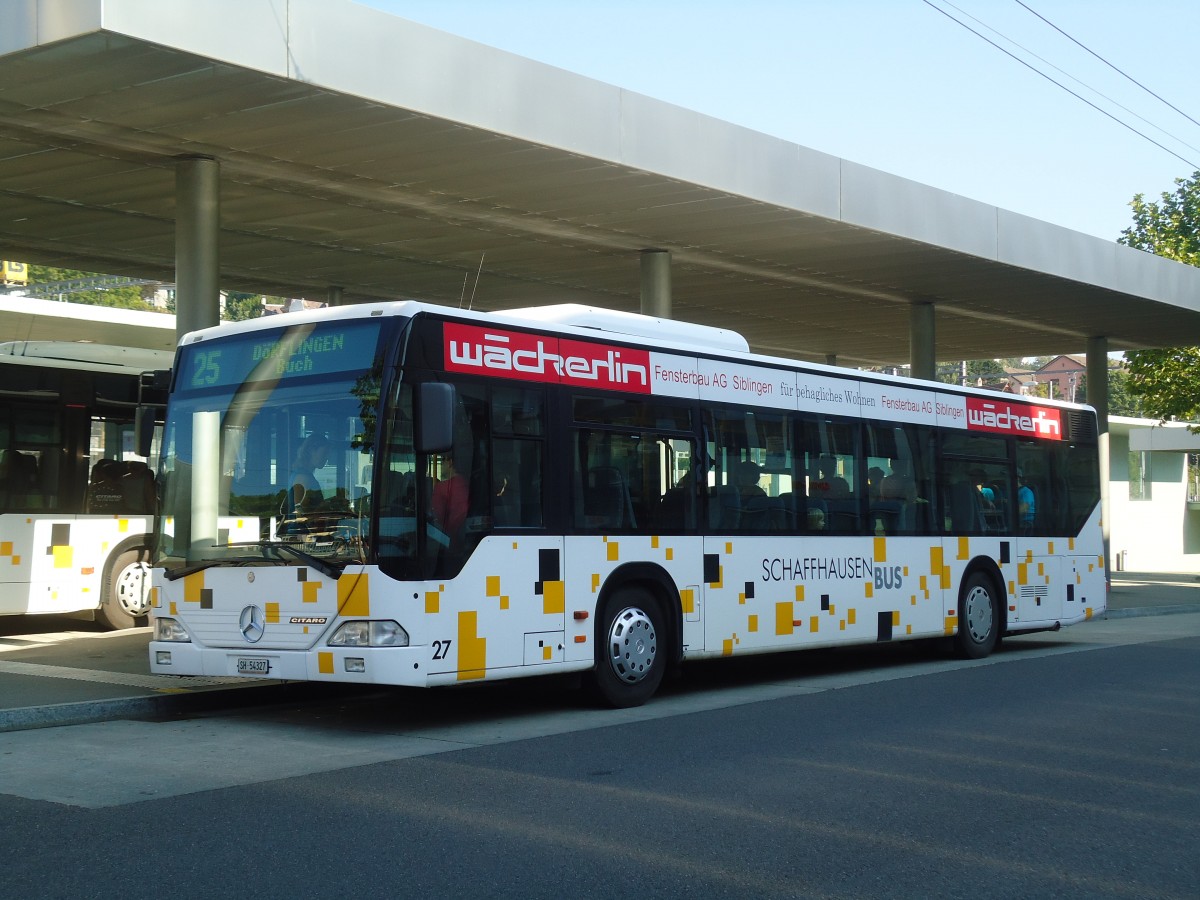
pixel 1134 612
pixel 164 706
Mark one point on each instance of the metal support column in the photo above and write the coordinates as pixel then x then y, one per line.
pixel 197 244
pixel 1097 397
pixel 334 295
pixel 656 283
pixel 922 343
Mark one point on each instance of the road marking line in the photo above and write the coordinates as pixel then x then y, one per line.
pixel 128 679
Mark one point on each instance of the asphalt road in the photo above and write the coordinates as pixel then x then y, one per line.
pixel 1065 766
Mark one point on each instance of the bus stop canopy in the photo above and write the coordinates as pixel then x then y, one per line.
pixel 366 157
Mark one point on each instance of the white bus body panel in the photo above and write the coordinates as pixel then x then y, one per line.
pixel 56 564
pixel 528 605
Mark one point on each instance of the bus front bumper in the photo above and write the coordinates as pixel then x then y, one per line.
pixel 404 666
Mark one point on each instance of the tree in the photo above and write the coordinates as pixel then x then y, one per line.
pixel 1167 380
pixel 239 306
pixel 126 297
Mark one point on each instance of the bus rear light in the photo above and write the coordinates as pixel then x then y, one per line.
pixel 381 633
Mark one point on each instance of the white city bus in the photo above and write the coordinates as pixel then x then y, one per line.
pixel 569 489
pixel 76 500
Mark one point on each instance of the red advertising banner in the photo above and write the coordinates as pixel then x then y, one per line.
pixel 531 357
pixel 1023 419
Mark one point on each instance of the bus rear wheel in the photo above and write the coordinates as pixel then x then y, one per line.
pixel 978 617
pixel 126 599
pixel 631 655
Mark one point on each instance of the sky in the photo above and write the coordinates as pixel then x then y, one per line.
pixel 900 86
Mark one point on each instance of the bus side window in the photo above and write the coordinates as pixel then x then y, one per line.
pixel 29 470
pixel 679 488
pixel 517 457
pixel 1034 498
pixel 899 459
pixel 835 485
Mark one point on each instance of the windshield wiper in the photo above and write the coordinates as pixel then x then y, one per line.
pixel 184 571
pixel 324 566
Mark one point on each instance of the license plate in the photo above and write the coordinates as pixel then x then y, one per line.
pixel 253 666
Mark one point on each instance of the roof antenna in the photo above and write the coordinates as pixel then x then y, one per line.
pixel 476 285
pixel 463 295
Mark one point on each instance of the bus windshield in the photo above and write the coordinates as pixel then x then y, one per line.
pixel 269 447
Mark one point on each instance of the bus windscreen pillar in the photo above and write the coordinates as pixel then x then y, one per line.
pixel 656 283
pixel 922 342
pixel 197 244
pixel 206 477
pixel 1097 398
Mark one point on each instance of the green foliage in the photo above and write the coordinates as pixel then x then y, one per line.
pixel 1121 402
pixel 240 306
pixel 1167 381
pixel 127 297
pixel 988 373
pixel 1170 228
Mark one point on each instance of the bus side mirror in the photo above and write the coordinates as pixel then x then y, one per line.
pixel 152 395
pixel 435 423
pixel 143 428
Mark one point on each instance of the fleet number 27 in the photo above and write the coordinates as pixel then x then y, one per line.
pixel 441 649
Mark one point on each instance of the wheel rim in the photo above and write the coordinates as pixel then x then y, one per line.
pixel 632 645
pixel 978 611
pixel 132 589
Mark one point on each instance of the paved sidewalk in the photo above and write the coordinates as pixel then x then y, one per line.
pixel 59 671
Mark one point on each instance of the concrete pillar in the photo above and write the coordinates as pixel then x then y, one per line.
pixel 656 283
pixel 1097 397
pixel 922 342
pixel 831 359
pixel 334 295
pixel 197 244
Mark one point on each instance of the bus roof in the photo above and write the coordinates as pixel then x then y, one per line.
pixel 75 353
pixel 588 323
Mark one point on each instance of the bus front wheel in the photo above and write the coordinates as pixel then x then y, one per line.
pixel 978 617
pixel 631 654
pixel 126 599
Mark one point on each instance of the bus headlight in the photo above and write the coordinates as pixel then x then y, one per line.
pixel 381 633
pixel 170 630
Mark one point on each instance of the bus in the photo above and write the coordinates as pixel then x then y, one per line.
pixel 408 494
pixel 76 500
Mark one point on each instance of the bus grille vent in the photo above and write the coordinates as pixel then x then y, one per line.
pixel 1081 427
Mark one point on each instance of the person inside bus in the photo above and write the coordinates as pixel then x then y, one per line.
pixel 900 485
pixel 1026 500
pixel 986 495
pixel 875 476
pixel 304 493
pixel 829 484
pixel 745 479
pixel 677 508
pixel 450 500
